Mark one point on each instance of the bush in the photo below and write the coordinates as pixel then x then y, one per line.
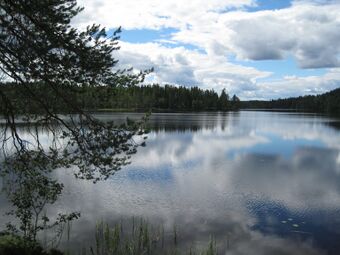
pixel 15 245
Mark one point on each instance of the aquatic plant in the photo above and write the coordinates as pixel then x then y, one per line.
pixel 143 238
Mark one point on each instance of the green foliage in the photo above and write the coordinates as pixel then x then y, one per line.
pixel 171 98
pixel 145 97
pixel 113 241
pixel 144 238
pixel 328 103
pixel 50 64
pixel 29 189
pixel 224 100
pixel 54 68
pixel 15 245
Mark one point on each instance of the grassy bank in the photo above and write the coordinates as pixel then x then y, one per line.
pixel 136 238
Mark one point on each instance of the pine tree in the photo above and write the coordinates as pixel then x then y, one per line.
pixel 224 100
pixel 38 45
pixel 51 63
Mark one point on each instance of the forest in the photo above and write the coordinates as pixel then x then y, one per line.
pixel 203 182
pixel 326 103
pixel 161 98
pixel 132 98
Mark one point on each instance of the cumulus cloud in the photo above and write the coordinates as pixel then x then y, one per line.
pixel 195 68
pixel 154 14
pixel 180 176
pixel 188 67
pixel 296 86
pixel 307 31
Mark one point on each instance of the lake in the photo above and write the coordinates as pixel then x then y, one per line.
pixel 258 182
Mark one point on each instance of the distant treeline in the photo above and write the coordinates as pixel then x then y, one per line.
pixel 168 98
pixel 328 102
pixel 134 98
pixel 155 98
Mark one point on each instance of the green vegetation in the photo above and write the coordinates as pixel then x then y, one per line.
pixel 328 103
pixel 142 238
pixel 137 238
pixel 48 63
pixel 131 98
pixel 15 245
pixel 170 98
pixel 54 68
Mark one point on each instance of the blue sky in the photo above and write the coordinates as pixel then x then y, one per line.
pixel 257 49
pixel 270 5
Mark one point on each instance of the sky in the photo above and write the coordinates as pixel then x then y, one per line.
pixel 256 49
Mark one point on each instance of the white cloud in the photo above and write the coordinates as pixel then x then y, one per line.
pixel 151 14
pixel 203 175
pixel 189 67
pixel 308 31
pixel 296 86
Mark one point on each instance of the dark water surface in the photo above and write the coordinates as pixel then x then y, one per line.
pixel 259 182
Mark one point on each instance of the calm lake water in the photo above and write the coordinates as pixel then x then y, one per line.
pixel 259 182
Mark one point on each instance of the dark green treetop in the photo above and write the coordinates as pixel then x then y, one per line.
pixel 38 45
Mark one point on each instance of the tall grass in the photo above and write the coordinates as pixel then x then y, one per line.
pixel 141 238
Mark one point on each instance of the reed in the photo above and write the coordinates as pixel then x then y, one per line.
pixel 141 238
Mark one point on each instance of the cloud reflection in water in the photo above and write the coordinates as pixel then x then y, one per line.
pixel 260 182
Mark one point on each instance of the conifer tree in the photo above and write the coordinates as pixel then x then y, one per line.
pixel 51 63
